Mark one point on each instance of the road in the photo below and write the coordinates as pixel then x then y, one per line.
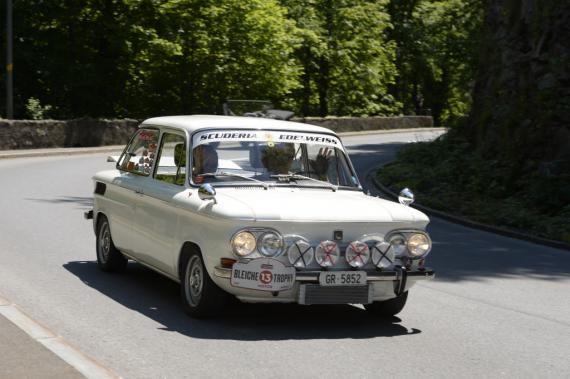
pixel 499 307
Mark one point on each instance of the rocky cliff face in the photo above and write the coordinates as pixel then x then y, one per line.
pixel 521 110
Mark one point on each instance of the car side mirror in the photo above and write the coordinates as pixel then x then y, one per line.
pixel 406 197
pixel 207 192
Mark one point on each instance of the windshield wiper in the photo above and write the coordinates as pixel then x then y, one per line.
pixel 224 173
pixel 303 177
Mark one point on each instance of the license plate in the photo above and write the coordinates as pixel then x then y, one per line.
pixel 342 278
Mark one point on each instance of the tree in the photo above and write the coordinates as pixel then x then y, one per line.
pixel 522 99
pixel 347 60
pixel 436 56
pixel 140 58
pixel 68 55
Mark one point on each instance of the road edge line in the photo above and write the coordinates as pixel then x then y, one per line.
pixel 80 361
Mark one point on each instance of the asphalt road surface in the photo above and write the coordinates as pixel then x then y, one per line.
pixel 499 307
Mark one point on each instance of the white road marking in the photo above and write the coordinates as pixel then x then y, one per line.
pixel 86 365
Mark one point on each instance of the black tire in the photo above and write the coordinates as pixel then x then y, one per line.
pixel 388 308
pixel 109 258
pixel 201 297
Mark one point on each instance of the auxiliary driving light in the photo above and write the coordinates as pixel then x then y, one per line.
pixel 300 254
pixel 327 253
pixel 383 255
pixel 398 245
pixel 357 254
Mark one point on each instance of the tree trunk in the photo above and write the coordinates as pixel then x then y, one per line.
pixel 522 91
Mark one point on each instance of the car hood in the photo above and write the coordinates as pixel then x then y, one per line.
pixel 316 205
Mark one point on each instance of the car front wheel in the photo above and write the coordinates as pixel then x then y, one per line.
pixel 200 295
pixel 109 258
pixel 388 308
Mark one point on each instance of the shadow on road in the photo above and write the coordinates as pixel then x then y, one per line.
pixel 84 202
pixel 365 157
pixel 461 253
pixel 153 295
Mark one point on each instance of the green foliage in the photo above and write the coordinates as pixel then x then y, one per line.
pixel 448 174
pixel 347 59
pixel 437 50
pixel 140 58
pixel 35 110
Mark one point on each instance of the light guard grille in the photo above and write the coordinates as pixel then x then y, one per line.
pixel 317 294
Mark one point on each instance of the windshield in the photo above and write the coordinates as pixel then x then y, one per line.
pixel 256 157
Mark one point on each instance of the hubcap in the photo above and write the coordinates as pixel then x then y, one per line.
pixel 104 242
pixel 194 281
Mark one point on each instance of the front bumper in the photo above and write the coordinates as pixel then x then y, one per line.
pixel 380 285
pixel 313 276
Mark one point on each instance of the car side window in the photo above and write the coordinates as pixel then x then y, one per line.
pixel 139 156
pixel 171 167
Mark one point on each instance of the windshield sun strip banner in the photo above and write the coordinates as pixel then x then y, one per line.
pixel 269 136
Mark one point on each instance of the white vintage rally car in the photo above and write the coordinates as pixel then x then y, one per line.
pixel 263 210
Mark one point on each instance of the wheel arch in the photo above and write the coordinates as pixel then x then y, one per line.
pixel 96 218
pixel 185 251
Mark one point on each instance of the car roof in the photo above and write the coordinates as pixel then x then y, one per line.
pixel 198 122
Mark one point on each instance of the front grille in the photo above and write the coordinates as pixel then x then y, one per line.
pixel 317 294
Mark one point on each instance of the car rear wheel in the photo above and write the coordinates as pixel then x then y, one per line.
pixel 109 258
pixel 388 308
pixel 200 295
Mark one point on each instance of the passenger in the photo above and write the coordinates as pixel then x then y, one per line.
pixel 278 159
pixel 322 164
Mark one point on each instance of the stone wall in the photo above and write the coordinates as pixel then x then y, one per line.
pixel 30 134
pixel 355 124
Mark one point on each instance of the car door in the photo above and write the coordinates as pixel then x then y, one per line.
pixel 157 218
pixel 135 165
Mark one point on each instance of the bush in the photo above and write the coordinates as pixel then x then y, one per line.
pixel 449 175
pixel 35 110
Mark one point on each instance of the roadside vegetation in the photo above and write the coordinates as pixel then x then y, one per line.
pixel 450 176
pixel 508 162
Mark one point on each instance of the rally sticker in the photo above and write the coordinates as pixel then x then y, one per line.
pixel 263 274
pixel 268 136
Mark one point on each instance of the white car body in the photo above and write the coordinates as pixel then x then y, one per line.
pixel 151 221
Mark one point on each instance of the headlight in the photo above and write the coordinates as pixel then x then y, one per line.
pixel 419 245
pixel 270 244
pixel 243 243
pixel 398 244
pixel 327 253
pixel 357 254
pixel 300 254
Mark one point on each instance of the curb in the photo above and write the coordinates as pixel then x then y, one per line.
pixel 466 222
pixel 84 364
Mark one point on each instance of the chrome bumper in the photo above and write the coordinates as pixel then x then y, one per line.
pixel 372 276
